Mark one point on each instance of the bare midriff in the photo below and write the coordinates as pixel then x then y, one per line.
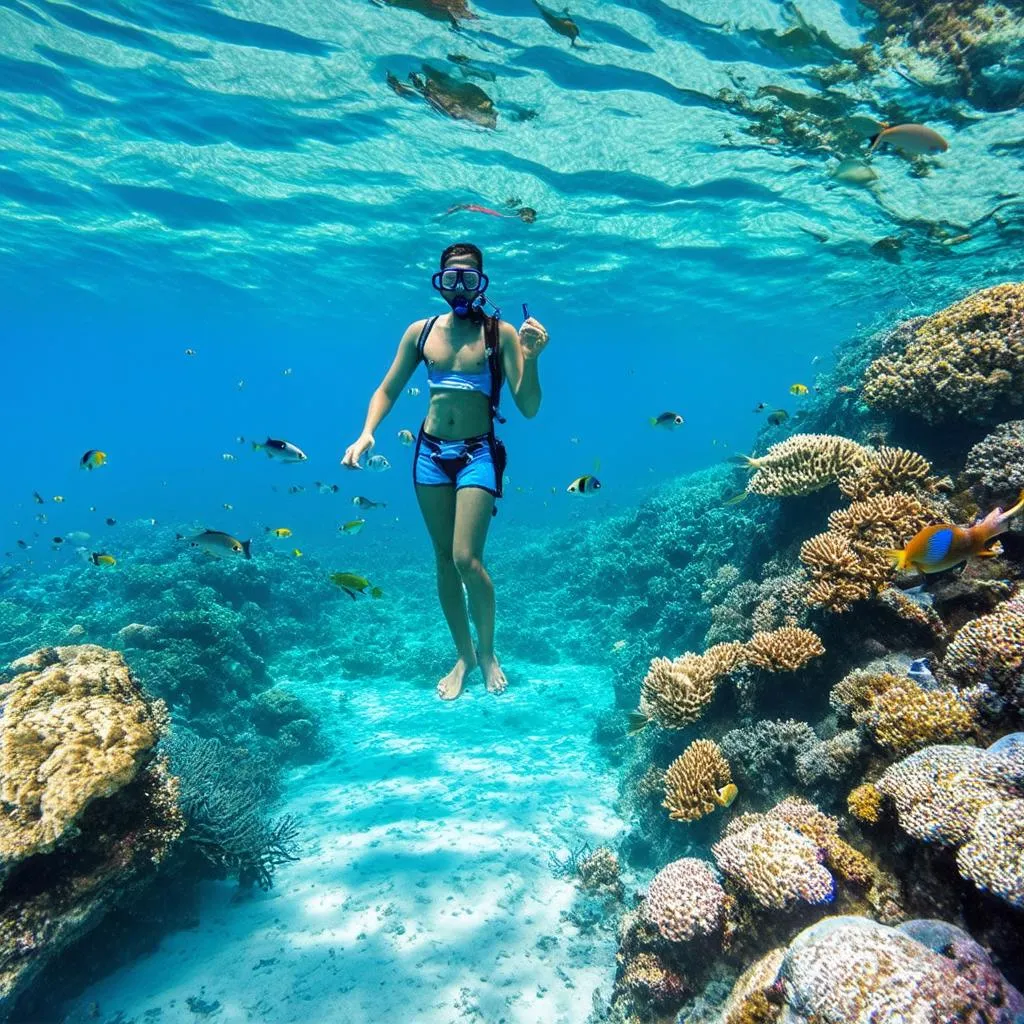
pixel 454 415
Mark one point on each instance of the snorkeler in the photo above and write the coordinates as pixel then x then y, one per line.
pixel 458 463
pixel 525 213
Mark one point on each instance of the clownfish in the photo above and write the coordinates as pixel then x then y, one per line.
pixel 942 546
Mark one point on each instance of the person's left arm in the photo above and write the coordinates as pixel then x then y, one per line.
pixel 519 352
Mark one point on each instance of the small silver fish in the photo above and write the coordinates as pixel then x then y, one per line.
pixel 284 451
pixel 377 464
pixel 218 544
pixel 412 392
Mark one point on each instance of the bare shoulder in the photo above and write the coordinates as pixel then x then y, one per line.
pixel 506 333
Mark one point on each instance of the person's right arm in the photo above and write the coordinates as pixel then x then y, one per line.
pixel 386 394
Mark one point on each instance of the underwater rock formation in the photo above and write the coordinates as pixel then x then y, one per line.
pixel 89 809
pixel 960 363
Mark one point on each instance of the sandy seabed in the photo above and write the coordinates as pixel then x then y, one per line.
pixel 425 891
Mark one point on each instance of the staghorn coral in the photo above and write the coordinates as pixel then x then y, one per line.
pixel 804 463
pixel 865 803
pixel 993 858
pixel 74 727
pixel 989 651
pixel 786 649
pixel 995 465
pixel 959 363
pixel 697 782
pixel 886 471
pixel 882 521
pixel 685 900
pixel 854 970
pixel 773 863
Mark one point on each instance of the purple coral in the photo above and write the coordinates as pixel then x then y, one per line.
pixel 685 900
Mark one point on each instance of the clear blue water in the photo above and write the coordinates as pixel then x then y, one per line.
pixel 236 178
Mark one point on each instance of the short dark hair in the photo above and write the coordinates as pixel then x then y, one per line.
pixel 463 249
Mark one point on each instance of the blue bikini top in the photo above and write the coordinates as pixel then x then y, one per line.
pixel 453 380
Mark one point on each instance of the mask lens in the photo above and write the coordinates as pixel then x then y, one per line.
pixel 470 280
pixel 449 279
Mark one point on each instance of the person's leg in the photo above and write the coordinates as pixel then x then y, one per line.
pixel 473 507
pixel 438 507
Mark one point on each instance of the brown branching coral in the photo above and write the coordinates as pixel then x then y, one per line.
pixel 783 650
pixel 849 563
pixel 887 471
pixel 805 463
pixel 959 363
pixel 697 782
pixel 74 727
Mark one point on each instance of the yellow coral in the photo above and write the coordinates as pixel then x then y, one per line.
pixel 804 463
pixel 697 782
pixel 786 649
pixel 886 471
pixel 857 691
pixel 957 363
pixel 675 693
pixel 74 727
pixel 823 830
pixel 906 717
pixel 865 803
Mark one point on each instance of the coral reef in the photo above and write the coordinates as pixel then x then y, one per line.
pixel 962 362
pixel 854 969
pixel 90 811
pixel 865 803
pixel 783 650
pixel 804 463
pixel 685 900
pixel 697 782
pixel 888 471
pixel 773 863
pixel 994 469
pixel 600 870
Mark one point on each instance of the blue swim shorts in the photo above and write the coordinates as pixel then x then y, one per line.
pixel 470 462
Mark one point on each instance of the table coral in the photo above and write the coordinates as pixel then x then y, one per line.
pixel 774 863
pixel 74 727
pixel 804 463
pixel 685 900
pixel 959 363
pixel 852 970
pixel 697 782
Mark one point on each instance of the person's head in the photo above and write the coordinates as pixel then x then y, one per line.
pixel 461 278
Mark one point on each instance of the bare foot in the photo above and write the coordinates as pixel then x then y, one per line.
pixel 451 686
pixel 493 676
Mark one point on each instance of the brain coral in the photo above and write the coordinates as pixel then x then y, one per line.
pixel 995 465
pixel 958 363
pixel 773 862
pixel 804 463
pixel 852 970
pixel 697 782
pixel 685 900
pixel 74 727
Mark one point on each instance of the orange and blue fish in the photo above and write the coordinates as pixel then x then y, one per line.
pixel 945 545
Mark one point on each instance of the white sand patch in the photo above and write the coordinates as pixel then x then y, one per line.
pixel 425 893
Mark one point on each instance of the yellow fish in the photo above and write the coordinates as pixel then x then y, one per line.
pixel 352 527
pixel 296 552
pixel 101 558
pixel 725 796
pixel 798 389
pixel 281 531
pixel 92 459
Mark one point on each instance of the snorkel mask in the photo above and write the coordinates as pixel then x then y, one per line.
pixel 473 281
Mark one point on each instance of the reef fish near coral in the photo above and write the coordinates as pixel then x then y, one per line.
pixel 914 139
pixel 944 545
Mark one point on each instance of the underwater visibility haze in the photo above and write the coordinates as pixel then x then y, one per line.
pixel 758 560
